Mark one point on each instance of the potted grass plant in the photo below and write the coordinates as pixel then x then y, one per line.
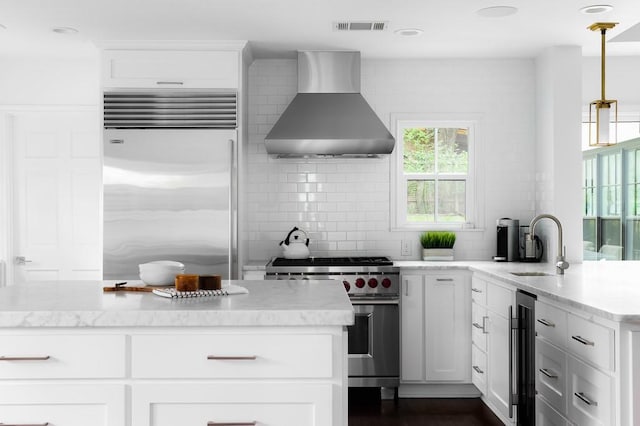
pixel 437 245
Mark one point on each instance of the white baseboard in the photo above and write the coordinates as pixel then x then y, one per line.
pixel 438 390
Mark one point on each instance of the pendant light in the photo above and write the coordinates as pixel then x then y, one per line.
pixel 605 111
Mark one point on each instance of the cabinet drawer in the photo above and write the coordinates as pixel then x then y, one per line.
pixel 498 299
pixel 479 326
pixel 479 369
pixel 63 405
pixel 547 416
pixel 551 324
pixel 590 395
pixel 232 356
pixel 479 291
pixel 293 404
pixel 169 69
pixel 62 356
pixel 551 375
pixel 591 342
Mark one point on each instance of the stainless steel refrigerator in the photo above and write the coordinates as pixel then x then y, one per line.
pixel 169 195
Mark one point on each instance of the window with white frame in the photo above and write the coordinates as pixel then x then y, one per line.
pixel 434 174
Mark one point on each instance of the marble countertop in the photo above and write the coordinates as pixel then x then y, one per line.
pixel 610 289
pixel 84 304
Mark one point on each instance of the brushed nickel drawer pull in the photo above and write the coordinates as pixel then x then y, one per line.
pixel 583 340
pixel 478 369
pixel 25 424
pixel 476 290
pixel 444 279
pixel 169 82
pixel 232 423
pixel 546 323
pixel 584 399
pixel 476 325
pixel 484 324
pixel 548 373
pixel 24 358
pixel 232 358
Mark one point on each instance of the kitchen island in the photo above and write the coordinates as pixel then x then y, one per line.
pixel 277 355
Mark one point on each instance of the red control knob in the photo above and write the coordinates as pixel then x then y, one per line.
pixel 386 283
pixel 347 286
pixel 373 282
pixel 360 282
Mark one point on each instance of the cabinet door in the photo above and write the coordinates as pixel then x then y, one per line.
pixel 248 403
pixel 412 328
pixel 169 69
pixel 62 405
pixel 447 328
pixel 498 353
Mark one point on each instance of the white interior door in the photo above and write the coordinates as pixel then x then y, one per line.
pixel 56 196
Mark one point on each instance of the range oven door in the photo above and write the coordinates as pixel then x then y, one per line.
pixel 374 344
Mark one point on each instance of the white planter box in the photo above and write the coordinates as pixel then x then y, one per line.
pixel 437 254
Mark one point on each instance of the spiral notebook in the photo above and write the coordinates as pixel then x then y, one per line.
pixel 172 293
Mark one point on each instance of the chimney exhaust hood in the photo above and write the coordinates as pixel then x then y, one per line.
pixel 329 117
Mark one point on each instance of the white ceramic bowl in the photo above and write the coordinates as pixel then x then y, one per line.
pixel 161 272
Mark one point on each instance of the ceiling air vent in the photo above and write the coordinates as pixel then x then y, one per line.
pixel 360 25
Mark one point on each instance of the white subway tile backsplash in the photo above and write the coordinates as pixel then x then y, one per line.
pixel 344 204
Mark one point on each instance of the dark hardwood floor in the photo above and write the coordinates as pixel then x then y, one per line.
pixel 366 409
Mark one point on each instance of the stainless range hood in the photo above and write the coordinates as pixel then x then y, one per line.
pixel 329 116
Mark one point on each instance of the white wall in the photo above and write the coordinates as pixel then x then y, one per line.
pixel 49 81
pixel 558 153
pixel 344 204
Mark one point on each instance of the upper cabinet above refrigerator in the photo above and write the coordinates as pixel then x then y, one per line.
pixel 162 67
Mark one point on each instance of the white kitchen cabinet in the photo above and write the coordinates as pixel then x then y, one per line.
pixel 182 69
pixel 491 327
pixel 174 376
pixel 62 404
pixel 436 334
pixel 292 404
pixel 575 364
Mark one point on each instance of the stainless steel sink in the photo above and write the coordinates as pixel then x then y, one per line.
pixel 532 274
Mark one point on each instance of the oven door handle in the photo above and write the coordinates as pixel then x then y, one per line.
pixel 375 301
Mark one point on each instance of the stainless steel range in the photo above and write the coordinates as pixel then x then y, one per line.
pixel 373 285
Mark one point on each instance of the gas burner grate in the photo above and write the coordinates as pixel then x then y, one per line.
pixel 333 261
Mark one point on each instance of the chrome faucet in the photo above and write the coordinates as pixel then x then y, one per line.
pixel 561 263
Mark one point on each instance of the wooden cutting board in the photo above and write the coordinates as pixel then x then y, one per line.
pixel 147 289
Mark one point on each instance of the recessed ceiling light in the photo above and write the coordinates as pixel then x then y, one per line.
pixel 497 11
pixel 409 32
pixel 596 8
pixel 64 30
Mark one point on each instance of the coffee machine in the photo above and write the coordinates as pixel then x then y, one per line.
pixel 508 236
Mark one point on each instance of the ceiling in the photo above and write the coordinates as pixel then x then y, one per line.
pixel 277 28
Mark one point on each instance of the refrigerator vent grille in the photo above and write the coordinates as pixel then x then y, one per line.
pixel 170 110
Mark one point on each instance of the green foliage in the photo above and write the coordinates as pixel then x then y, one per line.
pixel 437 239
pixel 420 151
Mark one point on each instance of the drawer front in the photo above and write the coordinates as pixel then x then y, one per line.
pixel 551 375
pixel 499 299
pixel 479 369
pixel 62 405
pixel 479 326
pixel 551 324
pixel 592 342
pixel 62 356
pixel 232 356
pixel 547 416
pixel 590 395
pixel 297 404
pixel 479 291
